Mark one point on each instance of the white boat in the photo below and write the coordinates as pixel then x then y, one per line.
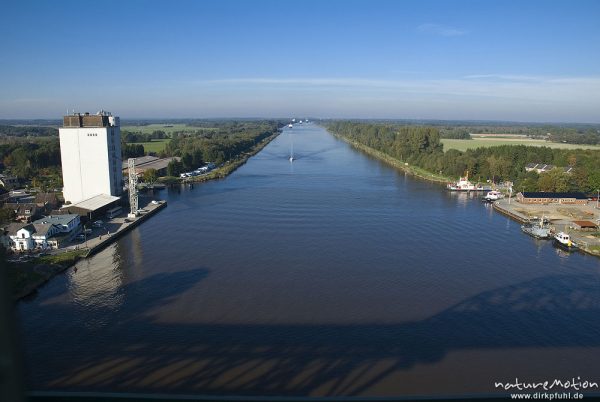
pixel 563 240
pixel 492 196
pixel 290 125
pixel 465 185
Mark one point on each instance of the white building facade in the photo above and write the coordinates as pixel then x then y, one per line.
pixel 90 150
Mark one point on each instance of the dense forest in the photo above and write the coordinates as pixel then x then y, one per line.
pixel 25 131
pixel 421 146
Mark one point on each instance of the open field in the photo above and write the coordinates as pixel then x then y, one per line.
pixel 154 145
pixel 498 135
pixel 167 128
pixel 463 145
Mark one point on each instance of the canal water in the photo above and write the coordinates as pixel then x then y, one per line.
pixel 334 275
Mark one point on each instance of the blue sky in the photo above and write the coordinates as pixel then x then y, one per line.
pixel 496 60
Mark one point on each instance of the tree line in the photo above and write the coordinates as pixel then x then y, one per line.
pixel 25 131
pixel 220 145
pixel 421 146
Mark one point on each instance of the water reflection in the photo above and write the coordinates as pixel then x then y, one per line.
pixel 98 284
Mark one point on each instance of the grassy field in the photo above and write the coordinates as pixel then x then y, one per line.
pixel 167 128
pixel 463 145
pixel 155 145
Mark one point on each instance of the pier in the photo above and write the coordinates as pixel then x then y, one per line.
pixel 561 217
pixel 124 225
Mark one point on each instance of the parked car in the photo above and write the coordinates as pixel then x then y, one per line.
pixel 98 224
pixel 80 237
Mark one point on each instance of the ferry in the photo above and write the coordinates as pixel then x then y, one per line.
pixel 563 240
pixel 492 196
pixel 465 185
pixel 539 231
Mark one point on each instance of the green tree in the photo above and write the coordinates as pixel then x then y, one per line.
pixel 174 168
pixel 554 180
pixel 150 176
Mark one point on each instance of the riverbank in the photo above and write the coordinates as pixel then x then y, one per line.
pixel 26 277
pixel 412 170
pixel 561 218
pixel 228 168
pixel 27 274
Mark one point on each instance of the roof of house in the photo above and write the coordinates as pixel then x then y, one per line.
pixel 20 208
pixel 585 224
pixel 157 164
pixel 539 166
pixel 62 220
pixel 42 229
pixel 93 203
pixel 43 198
pixel 151 162
pixel 14 227
pixel 543 194
pixel 140 161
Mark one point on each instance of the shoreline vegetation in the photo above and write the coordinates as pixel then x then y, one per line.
pixel 225 170
pixel 422 148
pixel 405 166
pixel 418 138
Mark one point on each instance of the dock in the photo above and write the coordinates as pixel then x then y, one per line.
pixel 561 218
pixel 96 244
pixel 503 208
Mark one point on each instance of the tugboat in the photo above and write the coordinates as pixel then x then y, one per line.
pixel 539 231
pixel 563 240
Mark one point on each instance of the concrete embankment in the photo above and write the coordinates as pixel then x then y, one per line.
pixel 27 277
pixel 98 244
pixel 561 217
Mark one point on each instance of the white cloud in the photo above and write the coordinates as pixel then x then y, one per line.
pixel 443 30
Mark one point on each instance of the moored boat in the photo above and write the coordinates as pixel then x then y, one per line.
pixel 463 184
pixel 492 196
pixel 539 230
pixel 564 241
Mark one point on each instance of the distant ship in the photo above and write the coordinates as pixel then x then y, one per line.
pixel 290 125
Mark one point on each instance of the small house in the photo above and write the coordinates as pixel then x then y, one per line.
pixel 587 226
pixel 540 197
